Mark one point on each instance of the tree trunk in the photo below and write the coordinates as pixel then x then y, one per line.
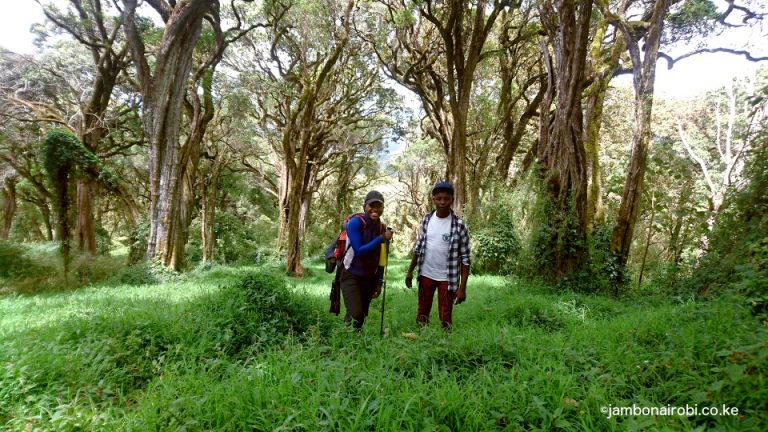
pixel 596 92
pixel 9 207
pixel 293 246
pixel 45 211
pixel 283 209
pixel 210 193
pixel 457 167
pixel 164 89
pixel 514 132
pixel 85 228
pixel 299 144
pixel 561 152
pixel 208 223
pixel 647 242
pixel 675 240
pixel 644 76
pixel 343 186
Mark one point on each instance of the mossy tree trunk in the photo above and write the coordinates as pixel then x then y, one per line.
pixel 9 206
pixel 643 79
pixel 163 89
pixel 561 153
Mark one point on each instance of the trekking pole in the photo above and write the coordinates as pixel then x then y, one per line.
pixel 384 289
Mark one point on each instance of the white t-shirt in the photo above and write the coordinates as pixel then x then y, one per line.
pixel 435 264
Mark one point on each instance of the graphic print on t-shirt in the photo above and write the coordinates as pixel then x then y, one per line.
pixel 435 264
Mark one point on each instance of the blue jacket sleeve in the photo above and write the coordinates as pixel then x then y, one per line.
pixel 355 237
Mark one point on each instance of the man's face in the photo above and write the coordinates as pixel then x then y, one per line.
pixel 442 200
pixel 374 210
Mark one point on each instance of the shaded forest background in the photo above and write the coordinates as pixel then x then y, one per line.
pixel 152 137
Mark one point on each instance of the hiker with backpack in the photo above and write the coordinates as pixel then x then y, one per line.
pixel 442 253
pixel 358 266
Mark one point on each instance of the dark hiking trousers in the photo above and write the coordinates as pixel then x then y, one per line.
pixel 358 293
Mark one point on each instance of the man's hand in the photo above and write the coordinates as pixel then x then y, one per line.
pixel 377 292
pixel 387 235
pixel 409 279
pixel 461 295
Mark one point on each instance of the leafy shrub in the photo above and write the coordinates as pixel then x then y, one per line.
pixel 495 251
pixel 14 262
pixel 738 254
pixel 605 272
pixel 496 246
pixel 137 242
pixel 103 240
pixel 24 270
pixel 87 269
pixel 238 241
pixel 256 311
pixel 145 272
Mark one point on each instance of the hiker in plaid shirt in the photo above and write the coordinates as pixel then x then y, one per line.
pixel 443 254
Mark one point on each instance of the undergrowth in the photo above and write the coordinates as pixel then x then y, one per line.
pixel 244 349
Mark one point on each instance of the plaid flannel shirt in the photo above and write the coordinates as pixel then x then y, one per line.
pixel 458 250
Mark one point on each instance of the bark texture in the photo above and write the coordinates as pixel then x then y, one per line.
pixel 163 91
pixel 9 206
pixel 643 79
pixel 561 153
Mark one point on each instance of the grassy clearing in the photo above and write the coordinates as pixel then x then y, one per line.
pixel 209 352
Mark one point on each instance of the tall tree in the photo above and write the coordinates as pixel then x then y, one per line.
pixel 434 52
pixel 316 94
pixel 561 152
pixel 643 79
pixel 521 74
pixel 604 58
pixel 89 23
pixel 729 130
pixel 647 33
pixel 164 88
pixel 8 180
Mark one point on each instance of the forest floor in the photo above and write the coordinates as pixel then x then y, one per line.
pixel 190 354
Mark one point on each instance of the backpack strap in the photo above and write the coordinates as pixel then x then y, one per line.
pixel 382 226
pixel 360 216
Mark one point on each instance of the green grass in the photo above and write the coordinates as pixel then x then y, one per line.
pixel 194 354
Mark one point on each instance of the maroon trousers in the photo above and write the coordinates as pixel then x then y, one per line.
pixel 445 298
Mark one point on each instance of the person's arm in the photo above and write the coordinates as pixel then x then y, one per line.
pixel 464 255
pixel 355 237
pixel 420 239
pixel 409 273
pixel 461 293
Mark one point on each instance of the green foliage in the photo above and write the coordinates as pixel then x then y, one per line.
pixel 137 241
pixel 692 18
pixel 103 240
pixel 496 248
pixel 143 272
pixel 64 158
pixel 27 268
pixel 97 358
pixel 238 240
pixel 16 263
pixel 738 254
pixel 258 311
pixel 605 272
pixel 63 153
pixel 557 250
pixel 236 349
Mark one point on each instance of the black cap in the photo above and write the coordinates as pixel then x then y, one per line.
pixel 442 186
pixel 374 196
